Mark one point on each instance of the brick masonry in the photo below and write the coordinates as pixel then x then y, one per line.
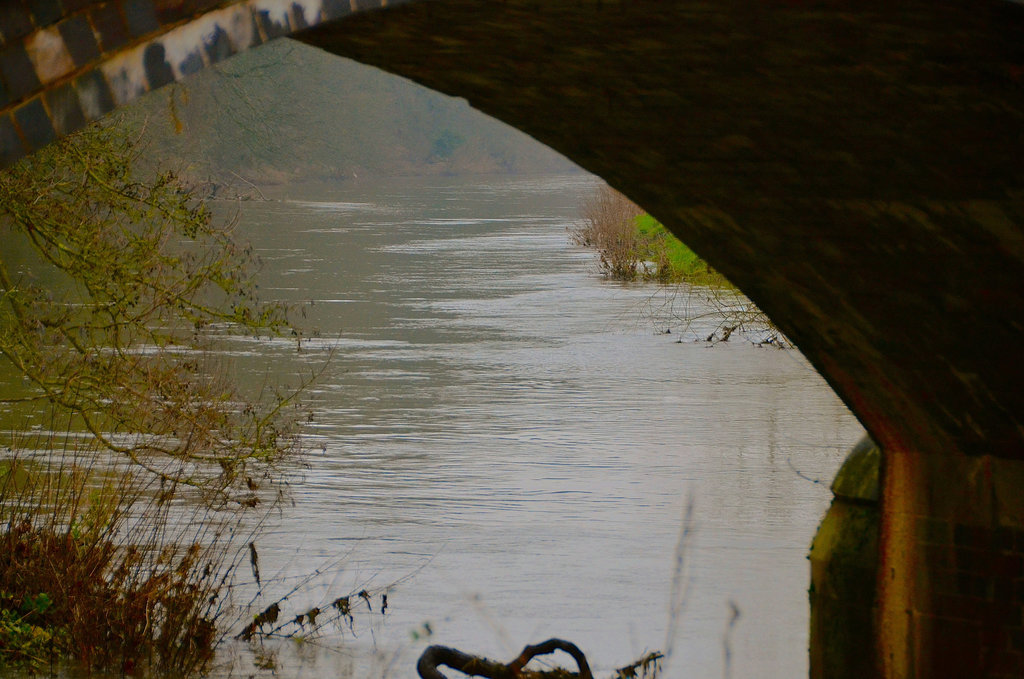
pixel 964 561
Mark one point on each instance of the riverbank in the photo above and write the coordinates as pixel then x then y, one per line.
pixel 669 260
pixel 632 245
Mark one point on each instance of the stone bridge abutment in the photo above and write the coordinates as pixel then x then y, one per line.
pixel 856 167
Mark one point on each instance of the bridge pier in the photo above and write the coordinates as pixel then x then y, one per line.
pixel 951 566
pixel 918 568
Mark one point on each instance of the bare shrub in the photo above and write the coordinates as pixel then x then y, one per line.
pixel 712 314
pixel 608 224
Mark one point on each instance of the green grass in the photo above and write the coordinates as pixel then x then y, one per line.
pixel 28 635
pixel 674 259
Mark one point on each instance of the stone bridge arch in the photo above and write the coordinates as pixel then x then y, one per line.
pixel 856 167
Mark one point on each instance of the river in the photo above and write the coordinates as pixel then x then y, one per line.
pixel 513 440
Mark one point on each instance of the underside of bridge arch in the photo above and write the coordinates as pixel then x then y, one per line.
pixel 856 167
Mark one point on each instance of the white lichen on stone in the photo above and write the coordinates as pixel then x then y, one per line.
pixel 126 75
pixel 49 55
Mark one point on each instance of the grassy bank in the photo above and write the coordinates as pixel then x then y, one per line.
pixel 669 260
pixel 633 246
pixel 103 566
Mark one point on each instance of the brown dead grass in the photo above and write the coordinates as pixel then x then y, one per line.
pixel 133 573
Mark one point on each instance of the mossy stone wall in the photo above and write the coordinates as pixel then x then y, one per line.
pixel 844 565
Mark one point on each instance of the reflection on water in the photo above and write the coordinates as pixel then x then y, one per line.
pixel 507 426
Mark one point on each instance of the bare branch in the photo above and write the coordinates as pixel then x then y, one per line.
pixel 476 666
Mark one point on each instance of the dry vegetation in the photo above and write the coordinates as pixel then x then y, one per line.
pixel 100 565
pixel 608 225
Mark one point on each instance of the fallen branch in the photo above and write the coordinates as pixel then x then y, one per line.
pixel 476 666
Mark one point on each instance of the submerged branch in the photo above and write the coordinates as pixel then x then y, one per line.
pixel 476 666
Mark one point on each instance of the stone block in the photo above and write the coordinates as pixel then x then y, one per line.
pixel 1016 640
pixel 1004 663
pixel 193 63
pixel 158 71
pixel 270 27
pixel 965 607
pixel 1008 488
pixel 958 488
pixel 172 11
pixel 1003 589
pixel 300 21
pixel 953 647
pixel 94 95
pixel 974 586
pixel 18 73
pixel 218 46
pixel 65 109
pixel 1007 539
pixel 35 125
pixel 334 9
pixel 11 147
pixel 1018 590
pixel 15 22
pixel 932 531
pixel 71 6
pixel 110 26
pixel 49 55
pixel 45 12
pixel 79 39
pixel 938 556
pixel 140 17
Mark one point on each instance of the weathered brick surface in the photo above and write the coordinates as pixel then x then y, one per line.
pixel 35 124
pixel 80 39
pixel 965 568
pixel 15 21
pixel 18 73
pixel 108 23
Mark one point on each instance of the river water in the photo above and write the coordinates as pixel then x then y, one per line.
pixel 513 441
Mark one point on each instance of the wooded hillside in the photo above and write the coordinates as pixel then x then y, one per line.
pixel 290 112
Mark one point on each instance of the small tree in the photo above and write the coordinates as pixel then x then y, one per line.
pixel 113 288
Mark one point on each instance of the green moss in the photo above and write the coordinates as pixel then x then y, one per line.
pixel 844 563
pixel 858 477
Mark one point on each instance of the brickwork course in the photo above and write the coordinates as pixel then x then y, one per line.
pixel 857 168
